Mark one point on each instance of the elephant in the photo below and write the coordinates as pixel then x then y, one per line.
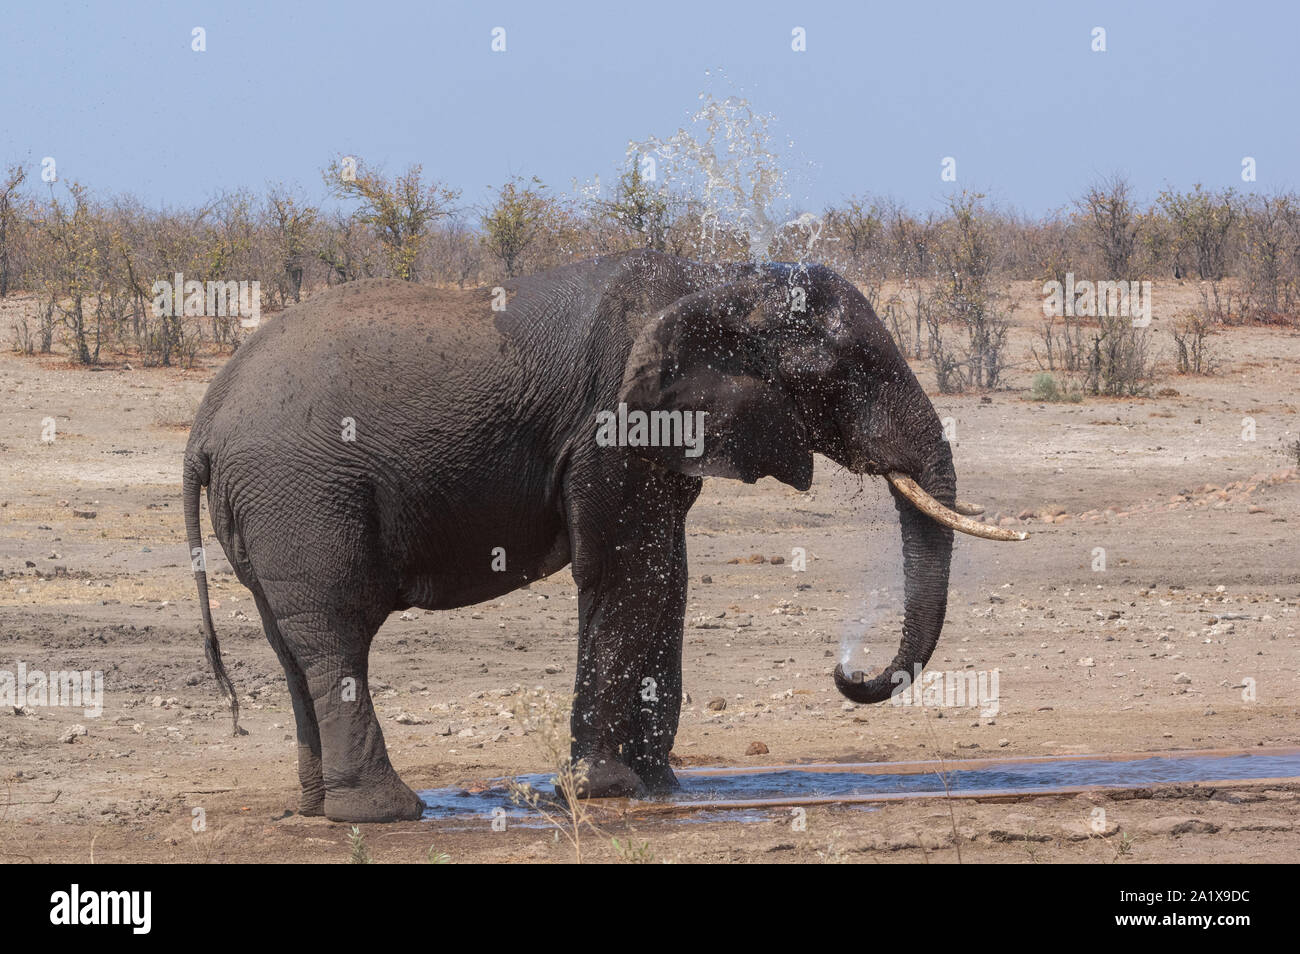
pixel 388 445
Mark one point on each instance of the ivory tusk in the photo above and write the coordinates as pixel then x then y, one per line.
pixel 937 512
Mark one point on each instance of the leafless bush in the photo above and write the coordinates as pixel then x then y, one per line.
pixel 11 225
pixel 1271 259
pixel 1119 360
pixel 24 339
pixel 1190 333
pixel 1202 224
pixel 1109 221
pixel 1192 330
pixel 855 235
pixel 964 296
pixel 1064 346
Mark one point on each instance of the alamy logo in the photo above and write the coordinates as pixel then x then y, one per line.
pixel 951 690
pixel 214 299
pixel 1087 299
pixel 103 907
pixel 653 429
pixel 23 687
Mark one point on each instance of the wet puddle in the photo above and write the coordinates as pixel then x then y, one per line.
pixel 738 793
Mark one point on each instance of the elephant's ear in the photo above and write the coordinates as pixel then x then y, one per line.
pixel 706 353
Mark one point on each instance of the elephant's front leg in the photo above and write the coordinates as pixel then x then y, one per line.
pixel 628 690
pixel 659 702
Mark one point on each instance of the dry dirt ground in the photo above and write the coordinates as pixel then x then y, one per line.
pixel 1196 524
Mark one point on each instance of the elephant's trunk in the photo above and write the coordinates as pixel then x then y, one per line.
pixel 927 553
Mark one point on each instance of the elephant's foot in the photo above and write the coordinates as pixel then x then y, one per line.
pixel 610 778
pixel 312 801
pixel 658 778
pixel 383 801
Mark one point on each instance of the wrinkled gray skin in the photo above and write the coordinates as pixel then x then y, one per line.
pixel 475 429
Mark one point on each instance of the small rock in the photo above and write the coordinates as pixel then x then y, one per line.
pixel 72 733
pixel 1081 830
pixel 1181 825
pixel 1182 679
pixel 718 704
pixel 755 748
pixel 405 718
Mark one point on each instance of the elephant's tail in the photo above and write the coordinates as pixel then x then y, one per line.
pixel 196 476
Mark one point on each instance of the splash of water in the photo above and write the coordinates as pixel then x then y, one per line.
pixel 727 166
pixel 854 633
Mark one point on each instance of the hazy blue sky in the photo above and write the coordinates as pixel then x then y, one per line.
pixel 883 92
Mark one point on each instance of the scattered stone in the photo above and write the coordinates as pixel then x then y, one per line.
pixel 1181 825
pixel 1076 830
pixel 72 733
pixel 1182 679
pixel 718 704
pixel 405 718
pixel 755 748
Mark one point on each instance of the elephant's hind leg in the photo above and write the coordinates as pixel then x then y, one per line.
pixel 330 647
pixel 304 714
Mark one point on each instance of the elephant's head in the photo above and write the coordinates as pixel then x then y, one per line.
pixel 788 360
